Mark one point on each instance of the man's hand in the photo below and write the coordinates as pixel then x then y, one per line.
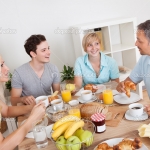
pixel 147 109
pixel 120 87
pixel 29 100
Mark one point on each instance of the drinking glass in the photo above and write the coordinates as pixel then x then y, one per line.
pixel 66 94
pixel 40 136
pixel 75 112
pixel 108 95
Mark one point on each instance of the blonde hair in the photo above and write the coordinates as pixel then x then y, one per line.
pixel 88 39
pixel 0 64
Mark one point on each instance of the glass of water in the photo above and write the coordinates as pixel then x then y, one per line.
pixel 40 136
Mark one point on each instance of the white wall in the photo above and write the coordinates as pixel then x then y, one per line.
pixel 27 17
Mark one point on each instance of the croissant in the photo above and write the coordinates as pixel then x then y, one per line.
pixel 90 87
pixel 129 86
pixel 127 144
pixel 104 146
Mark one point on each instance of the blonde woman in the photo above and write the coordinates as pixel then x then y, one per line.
pixel 95 67
pixel 37 113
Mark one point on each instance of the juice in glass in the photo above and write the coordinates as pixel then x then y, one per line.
pixel 75 112
pixel 107 96
pixel 66 95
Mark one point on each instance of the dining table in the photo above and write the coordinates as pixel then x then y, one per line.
pixel 125 129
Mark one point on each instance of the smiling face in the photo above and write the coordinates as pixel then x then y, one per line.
pixel 93 48
pixel 42 53
pixel 4 71
pixel 142 43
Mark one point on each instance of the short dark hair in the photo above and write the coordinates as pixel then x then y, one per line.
pixel 145 27
pixel 32 42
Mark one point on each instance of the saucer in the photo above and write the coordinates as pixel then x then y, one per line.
pixel 140 118
pixel 94 98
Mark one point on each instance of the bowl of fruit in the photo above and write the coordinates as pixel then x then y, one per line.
pixel 72 133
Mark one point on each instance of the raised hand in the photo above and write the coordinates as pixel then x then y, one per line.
pixel 37 112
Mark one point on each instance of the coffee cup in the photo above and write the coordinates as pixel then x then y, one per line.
pixel 86 95
pixel 43 99
pixel 57 104
pixel 136 109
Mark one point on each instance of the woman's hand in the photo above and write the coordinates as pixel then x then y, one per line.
pixel 37 112
pixel 147 109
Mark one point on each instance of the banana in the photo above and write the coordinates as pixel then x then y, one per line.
pixel 61 129
pixel 73 127
pixel 64 120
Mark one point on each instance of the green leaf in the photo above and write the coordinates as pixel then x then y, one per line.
pixel 8 83
pixel 67 73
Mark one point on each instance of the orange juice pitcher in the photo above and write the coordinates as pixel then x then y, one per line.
pixel 108 95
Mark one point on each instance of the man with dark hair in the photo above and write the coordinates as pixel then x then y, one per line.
pixel 35 78
pixel 141 71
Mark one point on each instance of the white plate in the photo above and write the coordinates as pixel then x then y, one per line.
pixel 129 117
pixel 43 123
pixel 48 130
pixel 94 98
pixel 121 98
pixel 115 141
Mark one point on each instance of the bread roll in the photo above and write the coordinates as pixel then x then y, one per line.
pixel 87 110
pixel 90 87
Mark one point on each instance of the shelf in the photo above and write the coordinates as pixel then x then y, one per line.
pixel 118 41
pixel 106 52
pixel 121 47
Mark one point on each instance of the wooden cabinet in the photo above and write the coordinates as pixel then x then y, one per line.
pixel 119 36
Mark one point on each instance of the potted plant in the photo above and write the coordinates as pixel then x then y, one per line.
pixel 8 83
pixel 67 74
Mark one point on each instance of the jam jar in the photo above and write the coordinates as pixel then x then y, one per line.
pixel 99 121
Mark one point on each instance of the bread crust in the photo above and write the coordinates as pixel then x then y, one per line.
pixel 87 110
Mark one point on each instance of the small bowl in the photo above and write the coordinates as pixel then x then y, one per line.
pixel 56 115
pixel 73 102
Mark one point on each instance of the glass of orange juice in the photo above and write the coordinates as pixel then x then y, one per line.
pixel 75 112
pixel 108 95
pixel 66 94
